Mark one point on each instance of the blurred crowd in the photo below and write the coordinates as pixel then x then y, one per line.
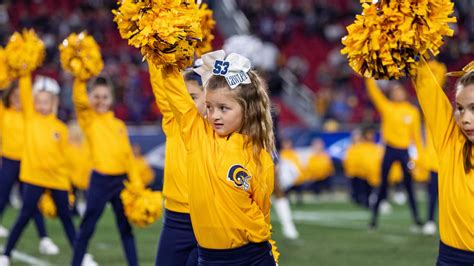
pixel 54 20
pixel 307 34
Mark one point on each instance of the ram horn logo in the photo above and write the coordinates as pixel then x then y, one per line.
pixel 239 176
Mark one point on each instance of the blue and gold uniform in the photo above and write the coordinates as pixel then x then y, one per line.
pixel 111 161
pixel 400 128
pixel 229 195
pixel 177 245
pixel 456 187
pixel 43 165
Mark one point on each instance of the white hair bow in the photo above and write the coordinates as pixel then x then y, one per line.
pixel 234 68
pixel 43 83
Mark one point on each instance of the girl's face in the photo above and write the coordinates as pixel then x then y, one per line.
pixel 100 98
pixel 15 99
pixel 398 93
pixel 464 112
pixel 197 94
pixel 44 102
pixel 223 111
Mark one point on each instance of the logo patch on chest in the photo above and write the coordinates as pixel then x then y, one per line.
pixel 56 135
pixel 239 176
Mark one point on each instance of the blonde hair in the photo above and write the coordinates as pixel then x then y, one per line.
pixel 257 123
pixel 466 80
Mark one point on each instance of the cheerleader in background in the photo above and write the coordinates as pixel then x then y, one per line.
pixel 12 147
pixel 112 158
pixel 400 128
pixel 353 170
pixel 452 135
pixel 43 163
pixel 431 159
pixel 177 244
pixel 281 203
pixel 291 170
pixel 79 165
pixel 319 167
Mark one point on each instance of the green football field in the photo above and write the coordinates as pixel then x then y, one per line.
pixel 331 233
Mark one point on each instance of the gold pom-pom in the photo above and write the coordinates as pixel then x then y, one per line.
pixel 5 75
pixel 142 206
pixel 166 31
pixel 48 208
pixel 80 55
pixel 25 52
pixel 207 25
pixel 389 36
pixel 46 205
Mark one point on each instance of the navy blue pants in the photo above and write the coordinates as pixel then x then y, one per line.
pixel 449 256
pixel 432 195
pixel 31 196
pixel 392 155
pixel 360 191
pixel 178 245
pixel 252 254
pixel 103 189
pixel 9 175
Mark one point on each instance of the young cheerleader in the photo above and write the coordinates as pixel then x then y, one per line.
pixel 431 159
pixel 177 245
pixel 452 137
pixel 12 148
pixel 111 159
pixel 43 163
pixel 400 128
pixel 229 166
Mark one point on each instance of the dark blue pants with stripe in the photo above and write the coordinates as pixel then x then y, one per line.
pixel 103 189
pixel 449 256
pixel 31 196
pixel 252 254
pixel 9 175
pixel 178 245
pixel 392 155
pixel 432 195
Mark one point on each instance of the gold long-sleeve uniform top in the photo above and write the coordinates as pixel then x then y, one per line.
pixel 107 136
pixel 319 167
pixel 12 132
pixel 175 186
pixel 43 162
pixel 229 196
pixel 456 187
pixel 400 120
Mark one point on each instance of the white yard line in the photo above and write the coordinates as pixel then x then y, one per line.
pixel 23 257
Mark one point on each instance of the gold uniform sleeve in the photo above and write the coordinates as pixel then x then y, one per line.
pixel 26 95
pixel 378 98
pixel 156 80
pixel 435 105
pixel 192 125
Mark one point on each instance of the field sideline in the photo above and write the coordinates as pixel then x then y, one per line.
pixel 332 233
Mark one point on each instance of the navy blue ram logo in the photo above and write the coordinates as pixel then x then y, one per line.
pixel 239 176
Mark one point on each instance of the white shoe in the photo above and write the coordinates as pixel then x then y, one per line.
pixel 282 208
pixel 88 260
pixel 47 247
pixel 4 260
pixel 429 228
pixel 400 198
pixel 385 207
pixel 3 231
